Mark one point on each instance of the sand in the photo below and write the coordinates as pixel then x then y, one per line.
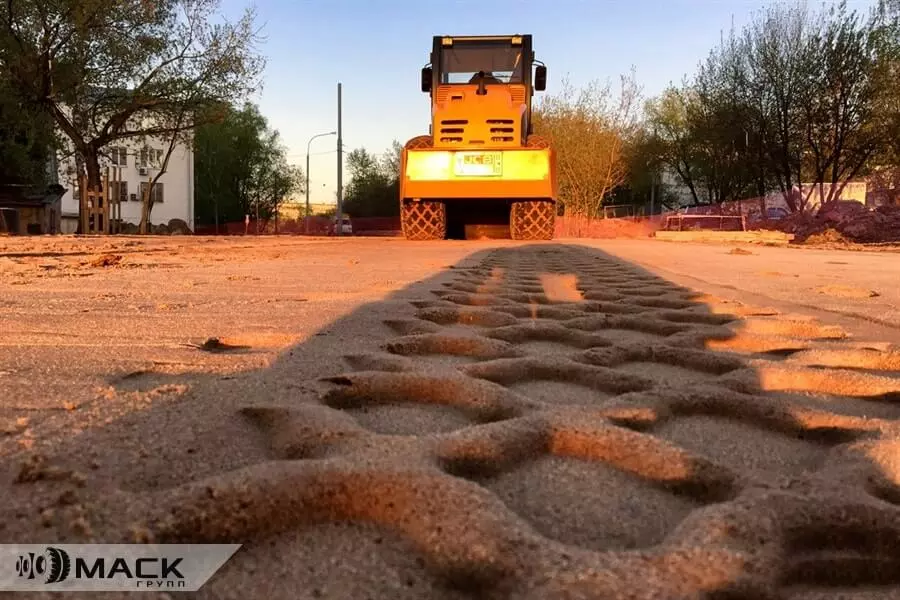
pixel 538 421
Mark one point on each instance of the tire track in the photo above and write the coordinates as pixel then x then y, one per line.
pixel 608 434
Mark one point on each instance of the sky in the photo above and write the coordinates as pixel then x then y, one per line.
pixel 376 49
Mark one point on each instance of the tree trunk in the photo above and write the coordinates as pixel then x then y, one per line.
pixel 92 167
pixel 145 213
pixel 147 207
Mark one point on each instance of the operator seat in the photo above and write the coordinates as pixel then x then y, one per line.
pixel 488 77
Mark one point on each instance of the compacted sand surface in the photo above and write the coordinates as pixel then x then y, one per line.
pixel 459 420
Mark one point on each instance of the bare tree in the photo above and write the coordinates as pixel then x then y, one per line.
pixel 589 128
pixel 778 80
pixel 886 39
pixel 841 130
pixel 179 135
pixel 795 102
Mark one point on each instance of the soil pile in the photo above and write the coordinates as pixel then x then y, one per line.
pixel 846 221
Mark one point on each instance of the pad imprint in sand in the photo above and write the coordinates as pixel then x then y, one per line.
pixel 555 423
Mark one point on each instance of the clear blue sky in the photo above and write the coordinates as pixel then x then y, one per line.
pixel 376 49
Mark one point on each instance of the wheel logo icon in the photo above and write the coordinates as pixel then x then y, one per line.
pixel 52 566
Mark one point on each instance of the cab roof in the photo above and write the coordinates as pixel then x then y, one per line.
pixel 514 38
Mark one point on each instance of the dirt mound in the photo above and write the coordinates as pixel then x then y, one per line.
pixel 845 221
pixel 605 228
pixel 130 228
pixel 107 260
pixel 179 227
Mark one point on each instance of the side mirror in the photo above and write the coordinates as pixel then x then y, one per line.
pixel 426 79
pixel 540 78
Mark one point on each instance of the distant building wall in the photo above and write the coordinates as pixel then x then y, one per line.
pixel 137 165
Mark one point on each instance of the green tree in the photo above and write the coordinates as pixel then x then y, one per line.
pixel 26 140
pixel 671 138
pixel 240 166
pixel 272 179
pixel 643 186
pixel 373 188
pixel 111 70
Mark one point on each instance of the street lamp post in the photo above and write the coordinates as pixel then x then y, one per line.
pixel 306 220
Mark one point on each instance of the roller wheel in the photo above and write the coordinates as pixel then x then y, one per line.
pixel 532 220
pixel 419 142
pixel 536 141
pixel 424 220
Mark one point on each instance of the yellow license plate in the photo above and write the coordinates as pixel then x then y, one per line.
pixel 478 164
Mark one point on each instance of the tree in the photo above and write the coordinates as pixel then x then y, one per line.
pixel 719 122
pixel 842 133
pixel 886 39
pixel 590 129
pixel 272 179
pixel 240 167
pixel 644 185
pixel 390 160
pixel 374 186
pixel 110 70
pixel 671 138
pixel 794 99
pixel 777 77
pixel 26 140
pixel 177 134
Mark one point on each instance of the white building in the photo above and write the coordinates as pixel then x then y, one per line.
pixel 135 163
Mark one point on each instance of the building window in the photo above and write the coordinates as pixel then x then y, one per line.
pixel 157 194
pixel 151 157
pixel 118 156
pixel 119 189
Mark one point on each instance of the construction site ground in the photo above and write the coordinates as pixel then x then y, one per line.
pixel 378 418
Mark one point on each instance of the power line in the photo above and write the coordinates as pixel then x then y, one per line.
pixel 344 146
pixel 298 154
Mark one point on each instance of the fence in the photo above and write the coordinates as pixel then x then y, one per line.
pixel 566 226
pixel 311 225
pixel 630 222
pixel 100 211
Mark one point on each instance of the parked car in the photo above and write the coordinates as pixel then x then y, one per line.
pixel 345 225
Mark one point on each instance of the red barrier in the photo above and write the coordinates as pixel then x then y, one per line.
pixel 317 226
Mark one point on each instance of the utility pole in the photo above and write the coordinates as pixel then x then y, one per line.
pixel 340 166
pixel 306 216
